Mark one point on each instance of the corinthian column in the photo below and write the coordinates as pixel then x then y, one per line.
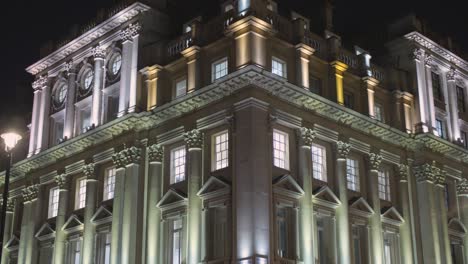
pixel 307 242
pixel 428 62
pixel 99 54
pixel 28 244
pixel 70 105
pixel 453 104
pixel 445 249
pixel 375 223
pixel 43 118
pixel 8 229
pixel 60 236
pixel 406 246
pixel 342 217
pixel 194 141
pixel 33 137
pixel 462 193
pixel 423 111
pixel 89 231
pixel 154 190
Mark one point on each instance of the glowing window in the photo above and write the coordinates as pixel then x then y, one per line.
pixel 319 165
pixel 280 149
pixel 384 184
pixel 80 193
pixel 178 165
pixel 177 241
pixel 219 69
pixel 278 67
pixel 109 184
pixel 221 150
pixel 53 202
pixel 116 64
pixel 352 174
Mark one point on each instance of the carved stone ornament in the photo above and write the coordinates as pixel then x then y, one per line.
pixel 155 153
pixel 403 171
pixel 451 74
pixel 418 54
pixel 70 67
pixel 30 193
pixel 343 149
pixel 462 187
pixel 440 176
pixel 10 207
pixel 98 52
pixel 429 61
pixel 40 82
pixel 424 173
pixel 127 156
pixel 130 32
pixel 61 181
pixel 375 161
pixel 193 139
pixel 308 135
pixel 88 171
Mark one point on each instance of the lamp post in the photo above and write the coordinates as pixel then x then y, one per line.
pixel 10 140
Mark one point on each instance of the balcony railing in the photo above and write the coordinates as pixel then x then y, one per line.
pixel 178 45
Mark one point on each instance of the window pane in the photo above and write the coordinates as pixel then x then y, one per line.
pixel 178 165
pixel 221 150
pixel 177 242
pixel 53 202
pixel 436 90
pixel 109 184
pixel 280 149
pixel 378 112
pixel 440 127
pixel 319 162
pixel 384 184
pixel 81 197
pixel 181 87
pixel 352 174
pixel 278 67
pixel 219 69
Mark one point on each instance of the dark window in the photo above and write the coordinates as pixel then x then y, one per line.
pixel 440 127
pixel 436 89
pixel 464 138
pixel 349 100
pixel 315 85
pixel 461 99
pixel 446 195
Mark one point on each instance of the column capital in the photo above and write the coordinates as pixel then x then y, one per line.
pixel 424 173
pixel 155 153
pixel 440 176
pixel 61 180
pixel 462 187
pixel 70 67
pixel 370 81
pixel 30 193
pixel 339 66
pixel 429 61
pixel 193 138
pixel 99 53
pixel 10 207
pixel 305 50
pixel 343 149
pixel 127 156
pixel 89 172
pixel 451 74
pixel 418 54
pixel 307 135
pixel 130 32
pixel 40 82
pixel 375 160
pixel 403 171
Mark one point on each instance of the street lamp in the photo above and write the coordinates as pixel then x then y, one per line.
pixel 10 140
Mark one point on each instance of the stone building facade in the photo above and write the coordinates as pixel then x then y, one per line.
pixel 245 139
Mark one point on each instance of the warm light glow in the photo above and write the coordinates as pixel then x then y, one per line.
pixel 10 139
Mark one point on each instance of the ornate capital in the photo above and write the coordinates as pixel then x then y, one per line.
pixel 424 173
pixel 375 161
pixel 307 135
pixel 194 138
pixel 429 61
pixel 440 176
pixel 451 74
pixel 130 32
pixel 155 153
pixel 88 171
pixel 343 149
pixel 403 171
pixel 40 82
pixel 98 52
pixel 61 181
pixel 30 193
pixel 462 187
pixel 127 156
pixel 10 207
pixel 70 67
pixel 418 54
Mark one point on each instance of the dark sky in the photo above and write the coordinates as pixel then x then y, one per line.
pixel 29 24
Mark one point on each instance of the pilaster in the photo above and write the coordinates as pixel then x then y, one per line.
pixel 154 86
pixel 43 119
pixel 369 84
pixel 303 53
pixel 338 68
pixel 99 54
pixel 28 244
pixel 342 211
pixel 60 236
pixel 89 232
pixel 423 108
pixel 406 245
pixel 37 85
pixel 376 231
pixel 440 175
pixel 462 193
pixel 70 101
pixel 192 55
pixel 453 104
pixel 8 229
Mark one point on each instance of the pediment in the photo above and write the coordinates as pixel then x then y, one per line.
pixel 214 187
pixel 73 224
pixel 103 215
pixel 287 185
pixel 13 243
pixel 393 215
pixel 361 206
pixel 45 232
pixel 324 195
pixel 455 225
pixel 172 198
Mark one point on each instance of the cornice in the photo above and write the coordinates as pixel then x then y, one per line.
pixel 102 29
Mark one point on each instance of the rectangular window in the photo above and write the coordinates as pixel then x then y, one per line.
pixel 461 99
pixel 322 245
pixel 356 244
pixel 109 184
pixel 464 138
pixel 53 202
pixel 282 229
pixel 440 127
pixel 436 86
pixel 181 87
pixel 278 67
pixel 319 162
pixel 219 69
pixel 315 85
pixel 75 251
pixel 349 100
pixel 112 107
pixel 178 165
pixel 176 242
pixel 352 174
pixel 387 251
pixel 280 149
pixel 384 184
pixel 219 216
pixel 80 193
pixel 378 112
pixel 220 150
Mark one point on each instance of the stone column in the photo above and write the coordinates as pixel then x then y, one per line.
pixel 445 249
pixel 375 219
pixel 406 245
pixel 192 55
pixel 194 141
pixel 60 236
pixel 28 244
pixel 128 77
pixel 154 189
pixel 430 94
pixel 8 229
pixel 117 207
pixel 342 216
pixel 308 245
pixel 70 104
pixel 89 232
pixel 429 227
pixel 129 224
pixel 338 69
pixel 462 193
pixel 99 54
pixel 303 53
pixel 453 104
pixel 43 121
pixel 33 137
pixel 424 114
pixel 369 84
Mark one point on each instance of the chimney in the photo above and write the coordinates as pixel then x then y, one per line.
pixel 329 15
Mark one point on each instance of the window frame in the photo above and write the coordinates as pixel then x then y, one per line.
pixel 106 186
pixel 348 103
pixel 173 232
pixel 437 92
pixel 460 98
pixel 384 187
pixel 53 205
pixel 356 176
pixel 323 164
pixel 223 70
pixel 286 150
pixel 176 83
pixel 284 72
pixel 214 151
pixel 173 179
pixel 381 116
pixel 79 203
pixel 440 128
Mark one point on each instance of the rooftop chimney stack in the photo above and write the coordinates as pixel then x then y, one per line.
pixel 329 15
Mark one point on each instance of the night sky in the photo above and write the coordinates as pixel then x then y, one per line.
pixel 29 24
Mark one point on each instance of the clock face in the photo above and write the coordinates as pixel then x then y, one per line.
pixel 88 79
pixel 61 93
pixel 115 64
